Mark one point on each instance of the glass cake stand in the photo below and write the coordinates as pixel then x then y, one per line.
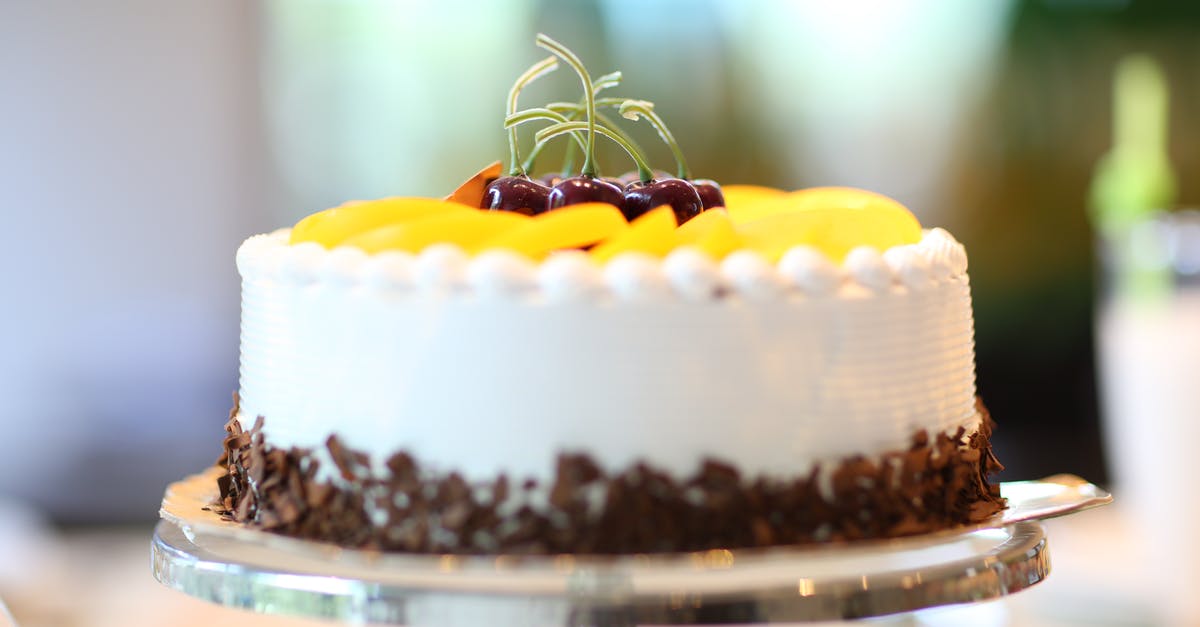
pixel 197 553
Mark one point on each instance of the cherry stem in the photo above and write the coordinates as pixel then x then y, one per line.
pixel 589 159
pixel 612 79
pixel 644 172
pixel 568 163
pixel 538 113
pixel 535 71
pixel 537 150
pixel 568 108
pixel 632 109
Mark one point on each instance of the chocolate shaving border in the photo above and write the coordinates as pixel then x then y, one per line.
pixel 938 483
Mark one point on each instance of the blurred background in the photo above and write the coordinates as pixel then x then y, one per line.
pixel 142 141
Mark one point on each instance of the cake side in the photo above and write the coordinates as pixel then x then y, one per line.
pixel 482 380
pixel 936 483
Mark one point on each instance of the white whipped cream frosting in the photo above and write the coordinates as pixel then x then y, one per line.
pixel 493 363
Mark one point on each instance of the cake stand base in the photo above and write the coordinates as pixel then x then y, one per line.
pixel 197 553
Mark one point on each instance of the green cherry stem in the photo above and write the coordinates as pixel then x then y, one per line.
pixel 535 114
pixel 589 159
pixel 612 102
pixel 535 71
pixel 568 164
pixel 632 109
pixel 612 79
pixel 612 126
pixel 568 108
pixel 537 150
pixel 550 132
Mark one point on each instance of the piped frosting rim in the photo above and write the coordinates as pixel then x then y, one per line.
pixel 570 276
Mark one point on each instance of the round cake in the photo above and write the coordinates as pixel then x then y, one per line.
pixel 495 374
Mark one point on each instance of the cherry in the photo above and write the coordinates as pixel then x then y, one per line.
pixel 519 194
pixel 681 195
pixel 584 188
pixel 710 193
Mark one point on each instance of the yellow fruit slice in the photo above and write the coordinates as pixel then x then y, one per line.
pixel 711 232
pixel 764 205
pixel 739 198
pixel 692 229
pixel 653 232
pixel 467 229
pixel 841 198
pixel 834 220
pixel 470 193
pixel 331 227
pixel 574 226
pixel 302 230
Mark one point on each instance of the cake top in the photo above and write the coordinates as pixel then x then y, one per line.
pixel 645 211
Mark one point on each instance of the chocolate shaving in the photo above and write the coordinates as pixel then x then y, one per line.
pixel 940 482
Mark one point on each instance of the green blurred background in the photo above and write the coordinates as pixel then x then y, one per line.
pixel 150 138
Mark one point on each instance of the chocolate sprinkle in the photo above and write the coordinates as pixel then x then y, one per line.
pixel 941 481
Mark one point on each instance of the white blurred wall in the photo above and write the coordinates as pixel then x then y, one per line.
pixel 130 170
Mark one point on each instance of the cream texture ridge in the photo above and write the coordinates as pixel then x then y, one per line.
pixel 493 363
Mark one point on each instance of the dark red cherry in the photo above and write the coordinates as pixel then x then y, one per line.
pixel 681 195
pixel 710 193
pixel 519 194
pixel 581 189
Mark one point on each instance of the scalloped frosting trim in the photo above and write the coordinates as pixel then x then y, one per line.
pixel 568 276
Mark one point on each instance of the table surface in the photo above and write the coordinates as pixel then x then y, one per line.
pixel 101 578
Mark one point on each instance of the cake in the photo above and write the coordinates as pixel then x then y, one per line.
pixel 487 374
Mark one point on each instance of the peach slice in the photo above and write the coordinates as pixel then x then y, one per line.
pixel 574 226
pixel 711 232
pixel 470 193
pixel 832 219
pixel 739 198
pixel 331 227
pixel 653 232
pixel 467 229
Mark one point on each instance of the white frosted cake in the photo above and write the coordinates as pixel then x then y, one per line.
pixel 586 365
pixel 845 383
pixel 497 364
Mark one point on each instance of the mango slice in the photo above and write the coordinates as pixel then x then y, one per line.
pixel 470 193
pixel 574 226
pixel 332 227
pixel 467 229
pixel 832 219
pixel 741 197
pixel 653 232
pixel 711 232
